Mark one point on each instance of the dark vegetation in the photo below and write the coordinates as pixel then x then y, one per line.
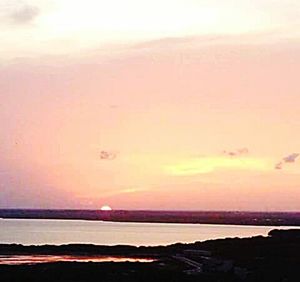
pixel 273 258
pixel 214 217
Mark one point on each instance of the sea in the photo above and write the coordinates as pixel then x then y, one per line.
pixel 58 232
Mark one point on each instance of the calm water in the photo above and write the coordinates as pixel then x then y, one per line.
pixel 34 259
pixel 40 231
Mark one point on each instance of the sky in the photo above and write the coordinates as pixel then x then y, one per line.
pixel 165 105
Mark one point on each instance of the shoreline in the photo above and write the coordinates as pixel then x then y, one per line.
pixel 154 222
pixel 257 258
pixel 132 250
pixel 272 219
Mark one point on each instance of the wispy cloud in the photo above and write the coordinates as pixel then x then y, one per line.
pixel 17 13
pixel 291 158
pixel 24 14
pixel 237 152
pixel 120 192
pixel 210 164
pixel 107 155
pixel 288 159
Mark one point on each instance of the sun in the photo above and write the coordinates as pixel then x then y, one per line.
pixel 106 208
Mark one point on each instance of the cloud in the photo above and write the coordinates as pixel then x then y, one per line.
pixel 107 155
pixel 209 164
pixel 237 152
pixel 288 159
pixel 291 158
pixel 124 191
pixel 24 15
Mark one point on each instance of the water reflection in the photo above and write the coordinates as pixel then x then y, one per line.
pixel 59 232
pixel 34 259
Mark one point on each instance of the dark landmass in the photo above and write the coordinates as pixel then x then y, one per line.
pixel 205 217
pixel 273 258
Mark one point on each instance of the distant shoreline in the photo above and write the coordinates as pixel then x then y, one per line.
pixel 175 217
pixel 147 222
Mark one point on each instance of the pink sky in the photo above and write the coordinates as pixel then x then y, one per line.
pixel 138 113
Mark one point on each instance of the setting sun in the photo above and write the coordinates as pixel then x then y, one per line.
pixel 106 208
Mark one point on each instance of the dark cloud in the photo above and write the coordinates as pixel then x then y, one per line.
pixel 291 158
pixel 107 155
pixel 288 159
pixel 237 152
pixel 25 14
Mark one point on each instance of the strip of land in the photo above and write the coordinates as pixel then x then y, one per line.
pixel 204 217
pixel 272 258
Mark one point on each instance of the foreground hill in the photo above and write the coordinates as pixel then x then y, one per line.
pixel 272 258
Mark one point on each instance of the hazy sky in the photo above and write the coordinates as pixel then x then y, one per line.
pixel 182 104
